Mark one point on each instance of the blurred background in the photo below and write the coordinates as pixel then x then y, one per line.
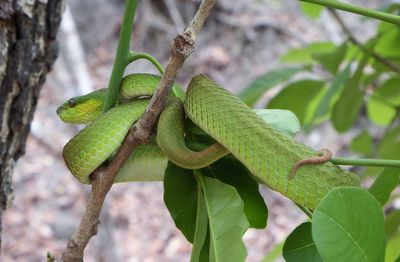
pixel 240 41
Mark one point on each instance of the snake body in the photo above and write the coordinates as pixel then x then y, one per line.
pixel 267 153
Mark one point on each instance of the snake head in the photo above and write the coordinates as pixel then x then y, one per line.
pixel 82 109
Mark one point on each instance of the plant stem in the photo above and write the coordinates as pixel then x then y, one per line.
pixel 121 57
pixel 376 56
pixel 132 56
pixel 393 19
pixel 366 162
pixel 305 210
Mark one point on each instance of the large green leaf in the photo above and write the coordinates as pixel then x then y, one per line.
pixel 332 60
pixel 305 55
pixel 180 197
pixel 232 172
pixel 299 245
pixel 254 91
pixel 348 226
pixel 339 81
pixel 348 106
pixel 282 120
pixel 384 184
pixel 227 220
pixel 298 97
pixel 362 143
pixel 389 146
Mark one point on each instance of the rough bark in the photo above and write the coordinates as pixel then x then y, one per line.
pixel 28 48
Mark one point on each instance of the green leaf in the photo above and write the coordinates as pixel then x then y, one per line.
pixel 390 91
pixel 180 197
pixel 305 55
pixel 254 91
pixel 298 97
pixel 332 60
pixel 282 120
pixel 232 172
pixel 201 230
pixel 348 226
pixel 348 106
pixel 392 224
pixel 362 143
pixel 299 245
pixel 389 146
pixel 227 220
pixel 392 249
pixel 340 80
pixel 388 43
pixel 384 184
pixel 380 111
pixel 311 10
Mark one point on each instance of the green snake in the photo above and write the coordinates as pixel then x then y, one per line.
pixel 238 129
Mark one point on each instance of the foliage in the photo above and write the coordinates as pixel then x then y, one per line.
pixel 359 87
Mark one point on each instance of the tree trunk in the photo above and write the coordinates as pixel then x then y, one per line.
pixel 28 48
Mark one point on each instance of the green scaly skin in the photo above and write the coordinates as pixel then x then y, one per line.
pixel 268 154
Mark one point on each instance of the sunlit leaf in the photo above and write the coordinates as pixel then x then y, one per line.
pixel 299 246
pixel 348 225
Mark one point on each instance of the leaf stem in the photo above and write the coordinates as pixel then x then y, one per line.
pixel 393 19
pixel 133 56
pixel 121 57
pixel 366 162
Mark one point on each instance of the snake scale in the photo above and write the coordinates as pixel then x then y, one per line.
pixel 267 153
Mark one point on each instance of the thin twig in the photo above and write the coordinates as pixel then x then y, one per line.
pixel 102 178
pixel 377 57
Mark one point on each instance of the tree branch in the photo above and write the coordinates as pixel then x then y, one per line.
pixel 103 177
pixel 392 66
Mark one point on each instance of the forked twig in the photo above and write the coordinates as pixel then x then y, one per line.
pixel 103 177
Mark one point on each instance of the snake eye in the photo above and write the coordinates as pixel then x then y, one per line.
pixel 72 102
